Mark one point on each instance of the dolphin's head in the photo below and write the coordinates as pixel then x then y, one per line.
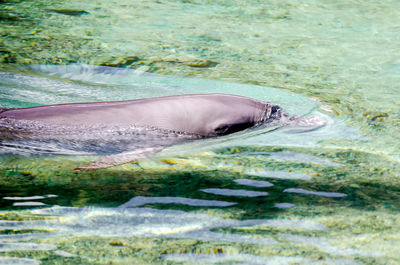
pixel 234 113
pixel 206 115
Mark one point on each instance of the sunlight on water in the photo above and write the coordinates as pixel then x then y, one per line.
pixel 239 193
pixel 17 261
pixel 143 222
pixel 138 201
pixel 280 175
pixel 254 183
pixel 317 193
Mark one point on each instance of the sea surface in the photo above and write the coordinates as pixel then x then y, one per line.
pixel 287 195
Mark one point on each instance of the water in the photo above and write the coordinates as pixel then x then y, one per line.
pixel 323 196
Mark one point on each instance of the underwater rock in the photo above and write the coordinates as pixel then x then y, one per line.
pixel 188 60
pixel 376 115
pixel 120 62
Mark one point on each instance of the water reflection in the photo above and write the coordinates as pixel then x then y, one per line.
pixel 239 193
pixel 323 244
pixel 144 222
pixel 28 204
pixel 29 197
pixel 25 246
pixel 284 205
pixel 254 183
pixel 317 193
pixel 279 175
pixel 140 200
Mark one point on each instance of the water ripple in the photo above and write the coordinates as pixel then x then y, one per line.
pixel 254 183
pixel 317 193
pixel 294 156
pixel 238 193
pixel 279 175
pixel 140 200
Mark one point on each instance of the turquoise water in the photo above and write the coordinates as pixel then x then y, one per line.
pixel 324 196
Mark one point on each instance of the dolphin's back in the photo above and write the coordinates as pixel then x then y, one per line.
pixel 198 114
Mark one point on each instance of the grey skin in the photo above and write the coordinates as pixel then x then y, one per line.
pixel 146 125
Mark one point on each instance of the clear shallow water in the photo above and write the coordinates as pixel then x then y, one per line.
pixel 85 83
pixel 340 54
pixel 214 191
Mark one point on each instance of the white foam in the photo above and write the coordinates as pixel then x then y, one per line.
pixel 238 193
pixel 317 193
pixel 254 183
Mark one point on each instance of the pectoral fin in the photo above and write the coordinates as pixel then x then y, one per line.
pixel 119 159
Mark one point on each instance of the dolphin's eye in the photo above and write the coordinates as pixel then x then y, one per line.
pixel 223 128
pixel 275 111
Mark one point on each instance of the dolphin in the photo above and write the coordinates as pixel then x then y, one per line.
pixel 123 131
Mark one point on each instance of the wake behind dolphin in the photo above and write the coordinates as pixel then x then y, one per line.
pixel 127 130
